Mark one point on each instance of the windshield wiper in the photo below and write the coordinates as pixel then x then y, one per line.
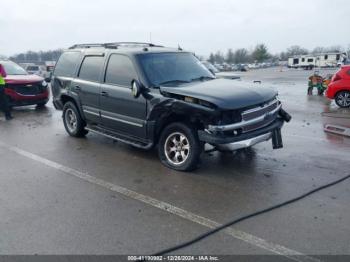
pixel 176 81
pixel 202 78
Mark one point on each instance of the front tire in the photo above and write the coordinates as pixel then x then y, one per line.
pixel 179 147
pixel 73 123
pixel 342 99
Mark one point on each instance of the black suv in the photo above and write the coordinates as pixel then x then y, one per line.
pixel 145 95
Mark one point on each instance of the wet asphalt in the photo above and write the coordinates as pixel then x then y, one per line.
pixel 47 211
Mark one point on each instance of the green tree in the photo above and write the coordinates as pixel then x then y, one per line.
pixel 260 53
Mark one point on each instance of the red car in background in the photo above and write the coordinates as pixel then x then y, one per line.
pixel 22 88
pixel 339 88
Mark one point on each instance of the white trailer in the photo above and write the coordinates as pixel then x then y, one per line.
pixel 330 59
pixel 318 60
pixel 302 61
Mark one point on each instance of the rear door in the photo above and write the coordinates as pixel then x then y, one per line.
pixel 87 86
pixel 120 111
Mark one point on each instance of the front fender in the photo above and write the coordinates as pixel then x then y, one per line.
pixel 173 106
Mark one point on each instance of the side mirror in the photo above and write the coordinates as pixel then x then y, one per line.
pixel 136 88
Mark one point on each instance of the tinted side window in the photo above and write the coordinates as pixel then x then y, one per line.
pixel 67 63
pixel 120 71
pixel 91 68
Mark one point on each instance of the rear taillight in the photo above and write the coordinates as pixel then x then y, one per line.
pixel 336 77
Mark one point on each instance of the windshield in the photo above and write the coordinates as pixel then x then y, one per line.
pixel 173 68
pixel 12 68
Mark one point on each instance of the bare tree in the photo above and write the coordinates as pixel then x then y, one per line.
pixel 230 56
pixel 296 50
pixel 211 58
pixel 241 56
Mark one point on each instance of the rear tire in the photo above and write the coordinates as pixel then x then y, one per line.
pixel 342 99
pixel 179 147
pixel 73 123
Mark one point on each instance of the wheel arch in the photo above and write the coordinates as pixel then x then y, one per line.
pixel 66 98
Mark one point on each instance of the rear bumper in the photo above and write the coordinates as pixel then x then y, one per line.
pixel 246 139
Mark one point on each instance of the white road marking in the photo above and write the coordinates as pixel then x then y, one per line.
pixel 251 239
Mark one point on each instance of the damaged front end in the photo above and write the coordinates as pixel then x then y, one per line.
pixel 253 126
pixel 226 130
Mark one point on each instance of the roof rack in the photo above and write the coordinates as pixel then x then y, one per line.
pixel 86 46
pixel 115 45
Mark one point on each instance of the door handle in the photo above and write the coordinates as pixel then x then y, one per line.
pixel 104 93
pixel 77 88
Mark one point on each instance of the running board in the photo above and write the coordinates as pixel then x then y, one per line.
pixel 118 137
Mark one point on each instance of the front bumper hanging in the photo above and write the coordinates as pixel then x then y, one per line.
pixel 224 142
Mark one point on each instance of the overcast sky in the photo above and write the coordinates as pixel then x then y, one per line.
pixel 197 25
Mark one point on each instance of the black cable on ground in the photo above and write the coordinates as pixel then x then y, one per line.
pixel 215 230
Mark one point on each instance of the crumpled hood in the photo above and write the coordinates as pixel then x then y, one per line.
pixel 224 93
pixel 23 79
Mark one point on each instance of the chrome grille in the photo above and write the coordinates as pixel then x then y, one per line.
pixel 258 112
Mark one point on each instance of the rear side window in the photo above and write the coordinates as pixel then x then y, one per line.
pixel 67 64
pixel 33 68
pixel 120 70
pixel 91 68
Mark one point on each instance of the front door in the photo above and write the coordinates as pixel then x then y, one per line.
pixel 87 86
pixel 120 111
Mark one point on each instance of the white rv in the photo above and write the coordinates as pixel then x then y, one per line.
pixel 330 59
pixel 302 61
pixel 318 60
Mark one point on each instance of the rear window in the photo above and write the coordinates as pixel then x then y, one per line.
pixel 67 64
pixel 91 68
pixel 33 68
